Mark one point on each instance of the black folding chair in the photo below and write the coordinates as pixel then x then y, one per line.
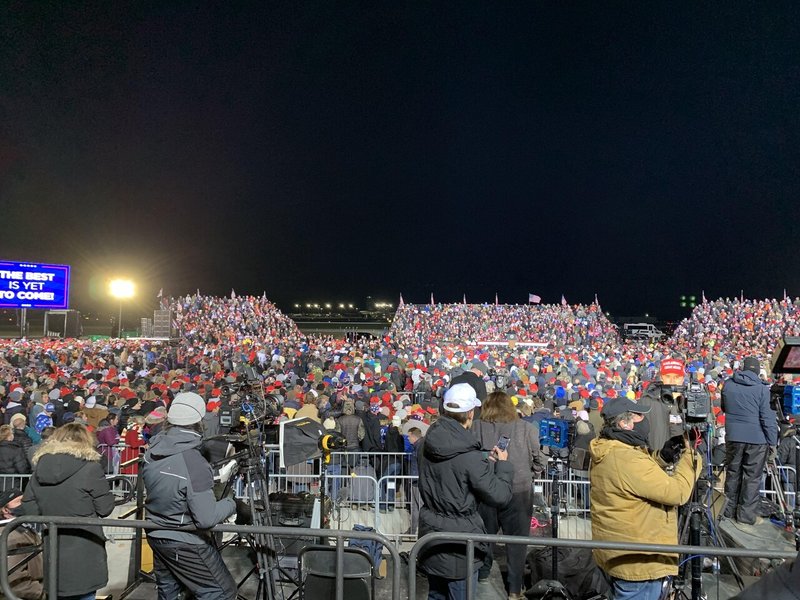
pixel 317 565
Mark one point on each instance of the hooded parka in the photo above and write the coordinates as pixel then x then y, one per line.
pixel 69 481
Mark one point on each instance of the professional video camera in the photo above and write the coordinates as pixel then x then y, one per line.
pixel 245 398
pixel 693 400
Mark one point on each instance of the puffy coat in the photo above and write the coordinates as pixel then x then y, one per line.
pixel 748 417
pixel 69 481
pixel 454 476
pixel 634 500
pixel 13 460
pixel 179 484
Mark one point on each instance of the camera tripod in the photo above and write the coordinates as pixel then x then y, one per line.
pixel 693 519
pixel 788 513
pixel 251 472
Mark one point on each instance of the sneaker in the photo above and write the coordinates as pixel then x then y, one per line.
pixel 515 596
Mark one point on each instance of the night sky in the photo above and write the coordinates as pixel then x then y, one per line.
pixel 326 151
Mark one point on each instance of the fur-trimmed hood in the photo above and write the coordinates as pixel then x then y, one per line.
pixel 56 461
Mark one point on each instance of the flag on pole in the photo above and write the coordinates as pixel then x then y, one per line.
pixel 401 303
pixel 563 300
pixel 534 299
pixel 432 302
pixel 465 298
pixel 784 295
pixel 596 301
pixel 496 300
pixel 233 294
pixel 198 293
pixel 741 296
pixel 703 296
pixel 264 295
pixel 160 293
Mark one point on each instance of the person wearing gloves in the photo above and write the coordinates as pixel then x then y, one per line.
pixel 634 499
pixel 179 484
pixel 454 476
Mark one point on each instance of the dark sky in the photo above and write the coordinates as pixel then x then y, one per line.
pixel 332 150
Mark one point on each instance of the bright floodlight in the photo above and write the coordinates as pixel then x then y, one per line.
pixel 121 288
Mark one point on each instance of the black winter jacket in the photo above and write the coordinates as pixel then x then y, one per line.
pixel 22 439
pixel 179 484
pixel 69 481
pixel 454 476
pixel 12 459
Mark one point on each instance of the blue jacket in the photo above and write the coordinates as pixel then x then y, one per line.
pixel 748 417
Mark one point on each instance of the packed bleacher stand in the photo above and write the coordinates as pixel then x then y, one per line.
pixel 556 324
pixel 737 326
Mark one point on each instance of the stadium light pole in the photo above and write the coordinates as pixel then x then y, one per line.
pixel 121 289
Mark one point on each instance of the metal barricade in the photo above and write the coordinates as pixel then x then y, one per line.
pixel 54 523
pixel 470 539
pixel 8 482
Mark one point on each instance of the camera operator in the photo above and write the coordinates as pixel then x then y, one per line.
pixel 179 492
pixel 661 399
pixel 751 428
pixel 633 499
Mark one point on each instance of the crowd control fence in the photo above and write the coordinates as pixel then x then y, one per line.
pixel 53 524
pixel 380 485
pixel 470 539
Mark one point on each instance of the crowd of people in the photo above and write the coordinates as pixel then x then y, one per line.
pixel 738 326
pixel 558 324
pixel 381 394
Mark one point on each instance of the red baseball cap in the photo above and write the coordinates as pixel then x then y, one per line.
pixel 672 366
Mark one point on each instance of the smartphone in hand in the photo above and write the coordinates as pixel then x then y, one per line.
pixel 502 443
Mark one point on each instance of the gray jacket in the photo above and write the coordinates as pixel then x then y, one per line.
pixel 179 485
pixel 524 452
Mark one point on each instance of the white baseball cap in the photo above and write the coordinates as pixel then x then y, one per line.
pixel 460 398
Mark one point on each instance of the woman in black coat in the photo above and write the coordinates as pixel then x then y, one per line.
pixel 12 457
pixel 68 480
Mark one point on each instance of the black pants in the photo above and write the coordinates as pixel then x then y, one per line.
pixel 745 466
pixel 195 567
pixel 514 519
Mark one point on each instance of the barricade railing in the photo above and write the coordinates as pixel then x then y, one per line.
pixel 54 523
pixel 470 539
pixel 8 482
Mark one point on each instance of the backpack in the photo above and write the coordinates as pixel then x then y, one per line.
pixel 578 571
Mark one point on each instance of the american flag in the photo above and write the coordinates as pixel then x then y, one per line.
pixel 534 299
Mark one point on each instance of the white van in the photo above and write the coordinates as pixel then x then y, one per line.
pixel 641 332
